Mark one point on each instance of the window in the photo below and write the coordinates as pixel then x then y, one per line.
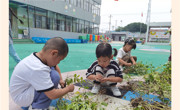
pixel 96 29
pixel 74 2
pixel 82 4
pixel 98 11
pixel 60 22
pixel 31 16
pixel 40 18
pixel 50 23
pixel 68 1
pixel 38 21
pixel 90 6
pixel 55 22
pixel 86 27
pixel 75 25
pixel 62 25
pixel 79 3
pixel 40 11
pixel 91 28
pixel 51 20
pixel 68 24
pixel 81 26
pixel 93 8
pixel 86 3
pixel 96 8
pixel 43 22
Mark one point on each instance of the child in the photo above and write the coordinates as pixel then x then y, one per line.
pixel 105 70
pixel 124 57
pixel 35 79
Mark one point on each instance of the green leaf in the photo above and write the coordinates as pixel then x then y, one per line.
pixel 103 103
pixel 81 78
pixel 75 79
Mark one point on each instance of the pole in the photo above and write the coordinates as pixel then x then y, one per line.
pixel 121 24
pixel 109 24
pixel 113 27
pixel 141 24
pixel 148 20
pixel 116 25
pixel 140 27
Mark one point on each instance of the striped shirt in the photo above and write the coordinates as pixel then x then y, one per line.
pixel 113 65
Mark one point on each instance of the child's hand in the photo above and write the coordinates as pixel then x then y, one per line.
pixel 71 87
pixel 129 64
pixel 134 63
pixel 98 77
pixel 62 83
pixel 104 80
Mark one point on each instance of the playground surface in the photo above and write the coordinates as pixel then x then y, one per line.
pixel 81 56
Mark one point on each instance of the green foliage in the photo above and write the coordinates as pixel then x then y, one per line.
pixel 76 79
pixel 135 27
pixel 157 81
pixel 160 82
pixel 81 101
pixel 119 29
pixel 140 69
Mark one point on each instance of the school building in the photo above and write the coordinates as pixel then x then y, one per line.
pixel 55 18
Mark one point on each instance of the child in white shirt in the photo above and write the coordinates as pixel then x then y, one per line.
pixel 124 57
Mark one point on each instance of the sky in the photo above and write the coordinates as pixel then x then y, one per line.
pixel 125 12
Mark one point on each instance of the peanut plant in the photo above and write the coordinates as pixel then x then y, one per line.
pixel 81 101
pixel 158 82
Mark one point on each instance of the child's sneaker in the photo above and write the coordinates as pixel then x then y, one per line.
pixel 95 89
pixel 121 68
pixel 115 91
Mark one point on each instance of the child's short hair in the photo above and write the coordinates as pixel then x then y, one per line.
pixel 105 50
pixel 130 42
pixel 57 43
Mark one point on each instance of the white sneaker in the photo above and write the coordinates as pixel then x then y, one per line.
pixel 95 89
pixel 115 91
pixel 121 68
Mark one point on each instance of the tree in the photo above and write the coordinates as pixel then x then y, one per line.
pixel 135 27
pixel 119 29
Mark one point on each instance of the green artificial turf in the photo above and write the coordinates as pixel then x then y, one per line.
pixel 81 56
